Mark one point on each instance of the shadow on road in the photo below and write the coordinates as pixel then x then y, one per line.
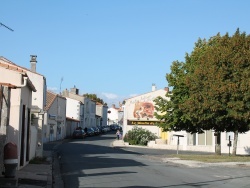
pixel 78 156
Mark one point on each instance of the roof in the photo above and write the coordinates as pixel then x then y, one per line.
pixel 17 69
pixel 146 93
pixel 13 66
pixel 7 85
pixel 30 84
pixel 50 98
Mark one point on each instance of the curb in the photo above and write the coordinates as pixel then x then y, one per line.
pixel 56 172
pixel 56 169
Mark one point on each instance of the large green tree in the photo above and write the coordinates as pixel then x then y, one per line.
pixel 211 88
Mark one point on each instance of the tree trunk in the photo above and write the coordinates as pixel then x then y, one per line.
pixel 217 144
pixel 236 134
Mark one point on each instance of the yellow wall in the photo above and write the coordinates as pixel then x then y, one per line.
pixel 164 135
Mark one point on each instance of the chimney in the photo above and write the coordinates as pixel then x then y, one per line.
pixel 65 93
pixel 33 63
pixel 74 90
pixel 153 87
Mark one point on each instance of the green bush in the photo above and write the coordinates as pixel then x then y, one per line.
pixel 139 136
pixel 39 160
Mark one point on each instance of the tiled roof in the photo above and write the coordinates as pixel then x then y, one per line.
pixel 19 70
pixel 13 66
pixel 50 97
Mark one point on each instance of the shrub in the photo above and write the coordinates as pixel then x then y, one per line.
pixel 39 160
pixel 139 136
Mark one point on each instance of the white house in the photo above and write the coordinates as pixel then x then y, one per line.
pixel 115 115
pixel 139 111
pixel 54 117
pixel 89 113
pixel 74 114
pixel 18 126
pixel 101 112
pixel 38 99
pixel 86 115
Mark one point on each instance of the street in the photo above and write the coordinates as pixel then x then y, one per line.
pixel 93 162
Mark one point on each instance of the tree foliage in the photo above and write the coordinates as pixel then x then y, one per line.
pixel 211 88
pixel 171 117
pixel 94 98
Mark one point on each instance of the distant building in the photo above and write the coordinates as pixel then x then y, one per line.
pixel 82 111
pixel 115 115
pixel 54 117
pixel 74 114
pixel 139 111
pixel 101 114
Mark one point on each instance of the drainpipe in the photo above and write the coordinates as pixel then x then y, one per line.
pixel 27 82
pixel 24 84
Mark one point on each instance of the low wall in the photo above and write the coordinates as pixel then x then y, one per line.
pixel 153 144
pixel 225 150
pixel 161 141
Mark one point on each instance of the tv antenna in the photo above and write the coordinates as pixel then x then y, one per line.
pixel 60 85
pixel 1 24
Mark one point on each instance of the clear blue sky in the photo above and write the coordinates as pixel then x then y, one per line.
pixel 112 48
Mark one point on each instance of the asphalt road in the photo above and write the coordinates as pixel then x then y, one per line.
pixel 93 162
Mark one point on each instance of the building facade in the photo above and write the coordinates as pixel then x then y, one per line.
pixel 5 91
pixel 139 111
pixel 18 120
pixel 101 113
pixel 81 111
pixel 54 118
pixel 38 99
pixel 74 115
pixel 115 115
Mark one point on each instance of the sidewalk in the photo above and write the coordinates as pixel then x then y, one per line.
pixel 178 161
pixel 37 175
pixel 31 176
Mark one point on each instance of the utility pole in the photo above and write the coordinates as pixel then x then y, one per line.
pixel 1 24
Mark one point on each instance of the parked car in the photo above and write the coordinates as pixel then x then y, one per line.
pixel 120 127
pixel 101 128
pixel 96 130
pixel 105 129
pixel 112 127
pixel 90 132
pixel 117 127
pixel 79 134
